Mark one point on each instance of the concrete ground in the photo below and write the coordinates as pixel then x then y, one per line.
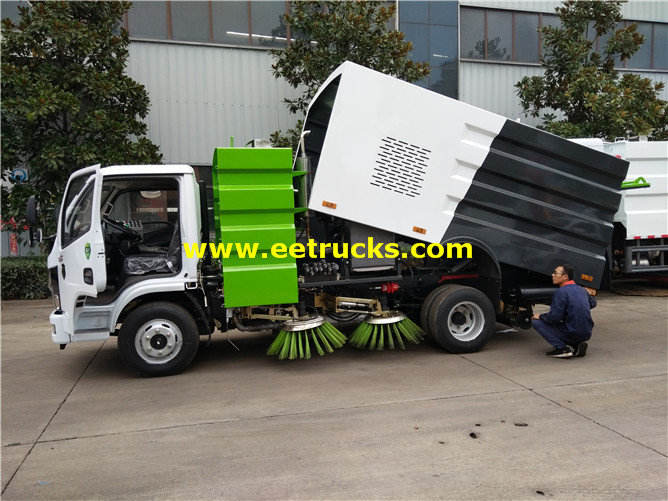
pixel 504 423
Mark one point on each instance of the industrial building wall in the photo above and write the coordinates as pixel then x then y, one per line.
pixel 638 10
pixel 201 95
pixel 491 86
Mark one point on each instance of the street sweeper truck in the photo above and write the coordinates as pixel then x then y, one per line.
pixel 405 211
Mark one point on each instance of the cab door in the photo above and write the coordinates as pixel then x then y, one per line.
pixel 78 252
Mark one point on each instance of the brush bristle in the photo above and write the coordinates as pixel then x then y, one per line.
pixel 380 336
pixel 297 344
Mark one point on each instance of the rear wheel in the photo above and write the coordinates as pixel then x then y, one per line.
pixel 461 319
pixel 427 304
pixel 158 339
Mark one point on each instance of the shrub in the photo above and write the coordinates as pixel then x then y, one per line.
pixel 24 278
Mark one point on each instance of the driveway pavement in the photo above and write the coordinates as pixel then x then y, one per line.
pixel 504 423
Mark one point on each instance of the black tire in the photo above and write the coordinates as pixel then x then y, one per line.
pixel 158 339
pixel 426 306
pixel 461 319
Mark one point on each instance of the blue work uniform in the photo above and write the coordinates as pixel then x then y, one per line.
pixel 569 320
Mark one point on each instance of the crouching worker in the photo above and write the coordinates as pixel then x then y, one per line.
pixel 568 324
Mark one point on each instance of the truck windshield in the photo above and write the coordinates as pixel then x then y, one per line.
pixel 78 211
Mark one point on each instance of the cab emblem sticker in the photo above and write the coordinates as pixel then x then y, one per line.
pixel 87 250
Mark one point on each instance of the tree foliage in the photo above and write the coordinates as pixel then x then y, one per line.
pixel 328 33
pixel 66 100
pixel 583 85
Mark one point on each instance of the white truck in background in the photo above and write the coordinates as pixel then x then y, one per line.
pixel 640 238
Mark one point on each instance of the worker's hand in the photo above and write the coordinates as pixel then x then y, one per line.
pixel 535 317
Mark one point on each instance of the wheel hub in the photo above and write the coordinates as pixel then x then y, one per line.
pixel 458 318
pixel 466 321
pixel 158 341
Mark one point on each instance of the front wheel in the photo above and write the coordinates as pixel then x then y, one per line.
pixel 158 339
pixel 461 319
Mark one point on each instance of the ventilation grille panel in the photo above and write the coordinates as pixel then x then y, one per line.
pixel 400 167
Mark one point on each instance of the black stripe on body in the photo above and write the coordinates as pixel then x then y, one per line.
pixel 539 200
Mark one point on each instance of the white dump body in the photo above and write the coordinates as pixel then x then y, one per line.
pixel 644 211
pixel 399 158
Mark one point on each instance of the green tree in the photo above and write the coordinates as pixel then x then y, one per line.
pixel 583 86
pixel 66 100
pixel 328 33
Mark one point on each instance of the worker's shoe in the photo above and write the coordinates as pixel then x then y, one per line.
pixel 580 350
pixel 566 352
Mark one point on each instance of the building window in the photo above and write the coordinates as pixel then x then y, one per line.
pixel 256 23
pixel 414 12
pixel 504 35
pixel 268 27
pixel 11 9
pixel 472 34
pixel 432 29
pixel 525 36
pixel 418 35
pixel 190 21
pixel 499 39
pixel 443 13
pixel 148 20
pixel 660 46
pixel 443 60
pixel 547 20
pixel 643 58
pixel 231 23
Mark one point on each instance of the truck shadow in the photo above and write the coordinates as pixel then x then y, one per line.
pixel 225 351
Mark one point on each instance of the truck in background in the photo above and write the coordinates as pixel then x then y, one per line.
pixel 639 245
pixel 380 159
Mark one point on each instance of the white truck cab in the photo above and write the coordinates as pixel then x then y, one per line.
pixel 120 234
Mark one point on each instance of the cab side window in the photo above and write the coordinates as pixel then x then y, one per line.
pixel 78 212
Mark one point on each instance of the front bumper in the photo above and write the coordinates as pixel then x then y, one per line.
pixel 58 334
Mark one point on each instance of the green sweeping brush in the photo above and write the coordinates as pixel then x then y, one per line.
pixel 294 341
pixel 387 330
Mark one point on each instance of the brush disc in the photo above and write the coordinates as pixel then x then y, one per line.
pixel 294 341
pixel 387 330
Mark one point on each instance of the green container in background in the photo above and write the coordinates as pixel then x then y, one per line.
pixel 254 203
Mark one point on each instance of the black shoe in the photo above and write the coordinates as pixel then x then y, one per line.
pixel 580 350
pixel 566 352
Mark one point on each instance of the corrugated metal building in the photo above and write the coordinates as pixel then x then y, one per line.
pixel 208 69
pixel 490 84
pixel 202 95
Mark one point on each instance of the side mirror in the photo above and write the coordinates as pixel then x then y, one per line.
pixel 31 211
pixel 31 217
pixel 35 236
